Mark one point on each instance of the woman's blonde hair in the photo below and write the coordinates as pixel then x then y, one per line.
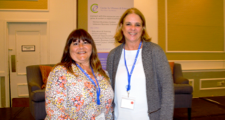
pixel 119 37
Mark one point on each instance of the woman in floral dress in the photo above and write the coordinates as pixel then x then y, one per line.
pixel 78 88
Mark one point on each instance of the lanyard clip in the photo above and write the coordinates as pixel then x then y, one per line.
pixel 128 93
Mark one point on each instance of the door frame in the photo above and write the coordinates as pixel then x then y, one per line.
pixel 6 72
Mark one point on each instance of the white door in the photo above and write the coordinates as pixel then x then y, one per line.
pixel 28 45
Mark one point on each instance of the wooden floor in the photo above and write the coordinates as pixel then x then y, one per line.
pixel 15 113
pixel 202 109
pixel 207 108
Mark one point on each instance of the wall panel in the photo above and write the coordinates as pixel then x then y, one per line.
pixel 192 30
pixel 23 4
pixel 196 23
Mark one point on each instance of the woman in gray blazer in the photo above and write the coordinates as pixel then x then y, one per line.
pixel 140 73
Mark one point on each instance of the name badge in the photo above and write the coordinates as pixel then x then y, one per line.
pixel 100 117
pixel 127 103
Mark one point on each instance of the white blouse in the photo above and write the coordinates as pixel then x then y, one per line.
pixel 138 88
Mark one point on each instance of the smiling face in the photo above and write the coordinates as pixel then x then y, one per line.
pixel 132 28
pixel 80 51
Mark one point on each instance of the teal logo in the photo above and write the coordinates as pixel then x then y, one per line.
pixel 94 8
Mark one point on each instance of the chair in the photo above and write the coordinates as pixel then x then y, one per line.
pixel 36 94
pixel 182 89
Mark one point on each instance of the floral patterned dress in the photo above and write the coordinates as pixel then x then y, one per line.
pixel 74 98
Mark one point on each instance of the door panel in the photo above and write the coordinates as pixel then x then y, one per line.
pixel 27 49
pixel 27 46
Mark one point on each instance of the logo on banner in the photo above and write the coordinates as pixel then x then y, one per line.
pixel 94 8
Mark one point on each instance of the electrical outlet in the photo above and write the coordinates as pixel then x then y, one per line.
pixel 221 83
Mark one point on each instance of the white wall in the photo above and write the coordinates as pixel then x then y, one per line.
pixel 62 20
pixel 150 10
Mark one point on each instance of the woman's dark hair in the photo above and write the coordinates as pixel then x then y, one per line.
pixel 67 61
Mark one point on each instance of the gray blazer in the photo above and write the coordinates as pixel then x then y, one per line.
pixel 159 82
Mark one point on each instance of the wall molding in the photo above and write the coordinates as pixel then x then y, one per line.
pixel 20 85
pixel 166 36
pixel 167 51
pixel 30 10
pixel 210 88
pixel 192 83
pixel 201 65
pixel 21 74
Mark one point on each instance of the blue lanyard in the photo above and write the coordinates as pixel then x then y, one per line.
pixel 129 74
pixel 98 89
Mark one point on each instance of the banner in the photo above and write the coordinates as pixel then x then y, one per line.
pixel 103 17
